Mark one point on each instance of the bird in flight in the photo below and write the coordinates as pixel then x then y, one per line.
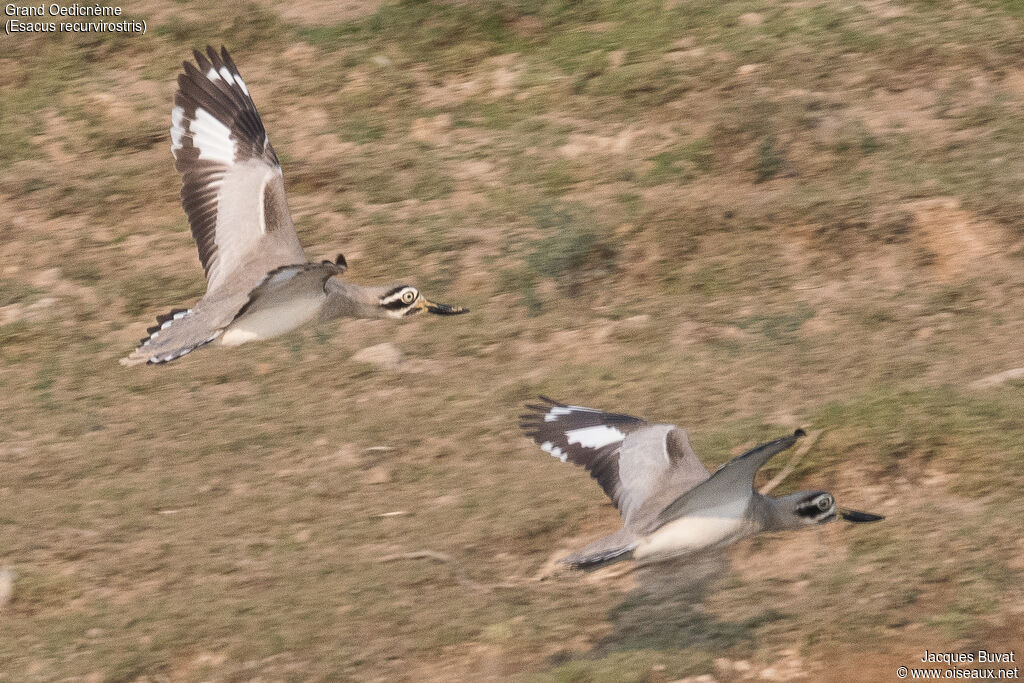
pixel 671 506
pixel 259 282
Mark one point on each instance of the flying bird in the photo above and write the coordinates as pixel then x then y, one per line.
pixel 671 506
pixel 259 283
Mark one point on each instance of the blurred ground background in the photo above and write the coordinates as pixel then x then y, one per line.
pixel 736 216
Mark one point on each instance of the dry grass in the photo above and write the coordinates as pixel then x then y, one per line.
pixel 739 217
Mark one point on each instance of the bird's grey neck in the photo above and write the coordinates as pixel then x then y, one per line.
pixel 348 300
pixel 771 514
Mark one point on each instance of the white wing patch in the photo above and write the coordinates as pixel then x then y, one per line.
pixel 597 436
pixel 556 412
pixel 554 450
pixel 286 274
pixel 224 73
pixel 212 138
pixel 177 128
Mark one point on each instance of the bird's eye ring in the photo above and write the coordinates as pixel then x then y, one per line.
pixel 409 296
pixel 825 502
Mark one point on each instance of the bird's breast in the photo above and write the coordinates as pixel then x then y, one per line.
pixel 696 532
pixel 269 319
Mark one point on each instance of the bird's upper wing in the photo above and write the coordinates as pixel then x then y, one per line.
pixel 627 456
pixel 233 189
pixel 285 284
pixel 734 478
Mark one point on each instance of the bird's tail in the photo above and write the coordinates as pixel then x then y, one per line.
pixel 604 551
pixel 175 334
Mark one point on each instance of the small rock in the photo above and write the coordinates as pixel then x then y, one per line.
pixel 346 455
pixel 7 577
pixel 10 314
pixel 432 131
pixel 503 81
pixel 34 311
pixel 209 659
pixel 635 321
pixel 379 474
pixel 47 278
pixel 998 378
pixel 386 356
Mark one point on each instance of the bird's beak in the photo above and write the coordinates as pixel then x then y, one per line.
pixel 857 516
pixel 440 309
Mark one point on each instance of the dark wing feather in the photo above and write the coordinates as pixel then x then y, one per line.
pixel 232 186
pixel 583 436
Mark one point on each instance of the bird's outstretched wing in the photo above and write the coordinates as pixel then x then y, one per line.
pixel 233 188
pixel 628 470
pixel 734 478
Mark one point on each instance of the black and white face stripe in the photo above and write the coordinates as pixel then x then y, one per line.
pixel 399 298
pixel 817 506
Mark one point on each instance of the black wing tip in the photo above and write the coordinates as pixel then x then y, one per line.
pixel 589 563
pixel 339 265
pixel 211 53
pixel 548 403
pixel 799 432
pixel 211 58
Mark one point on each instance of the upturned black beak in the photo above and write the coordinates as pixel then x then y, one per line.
pixel 442 309
pixel 857 516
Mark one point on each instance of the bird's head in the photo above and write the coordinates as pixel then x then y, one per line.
pixel 399 301
pixel 807 508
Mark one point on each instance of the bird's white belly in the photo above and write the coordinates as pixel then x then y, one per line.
pixel 691 534
pixel 265 323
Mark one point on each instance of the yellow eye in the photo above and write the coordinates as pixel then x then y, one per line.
pixel 409 296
